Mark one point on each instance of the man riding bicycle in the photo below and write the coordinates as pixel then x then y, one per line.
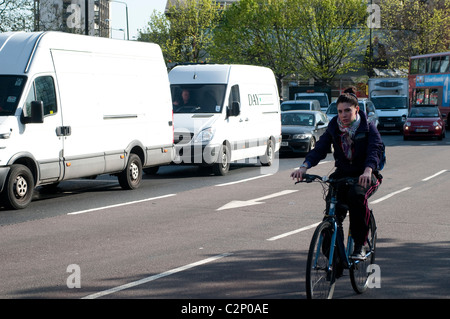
pixel 357 150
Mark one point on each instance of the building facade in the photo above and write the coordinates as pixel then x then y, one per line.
pixel 90 17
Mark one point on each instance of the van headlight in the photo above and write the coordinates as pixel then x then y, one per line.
pixel 204 136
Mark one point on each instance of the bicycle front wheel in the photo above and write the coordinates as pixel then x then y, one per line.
pixel 320 280
pixel 360 270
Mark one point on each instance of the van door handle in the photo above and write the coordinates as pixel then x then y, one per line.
pixel 63 131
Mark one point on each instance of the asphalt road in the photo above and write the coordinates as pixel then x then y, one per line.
pixel 187 235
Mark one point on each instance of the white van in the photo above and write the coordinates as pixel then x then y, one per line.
pixel 225 113
pixel 390 97
pixel 76 106
pixel 319 96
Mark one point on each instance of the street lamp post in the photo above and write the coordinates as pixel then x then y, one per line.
pixel 126 11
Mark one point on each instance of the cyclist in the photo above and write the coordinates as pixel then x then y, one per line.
pixel 357 149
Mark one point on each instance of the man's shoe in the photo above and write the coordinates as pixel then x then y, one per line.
pixel 358 253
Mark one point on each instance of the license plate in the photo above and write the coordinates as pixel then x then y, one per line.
pixel 284 143
pixel 389 125
pixel 421 130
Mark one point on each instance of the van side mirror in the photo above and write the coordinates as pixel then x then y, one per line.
pixel 235 109
pixel 37 113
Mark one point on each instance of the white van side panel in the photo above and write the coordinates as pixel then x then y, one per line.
pixel 112 94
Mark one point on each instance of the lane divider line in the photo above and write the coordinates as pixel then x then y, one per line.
pixel 389 195
pixel 432 176
pixel 119 205
pixel 152 278
pixel 244 180
pixel 293 232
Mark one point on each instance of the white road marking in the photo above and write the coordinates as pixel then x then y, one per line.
pixel 256 201
pixel 430 177
pixel 244 180
pixel 293 232
pixel 118 205
pixel 389 195
pixel 152 278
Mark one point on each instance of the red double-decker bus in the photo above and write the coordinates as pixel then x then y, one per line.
pixel 429 81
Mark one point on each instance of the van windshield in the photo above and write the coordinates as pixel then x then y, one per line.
pixel 286 106
pixel 11 88
pixel 390 102
pixel 197 98
pixel 323 100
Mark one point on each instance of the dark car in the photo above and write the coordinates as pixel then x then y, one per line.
pixel 301 129
pixel 424 121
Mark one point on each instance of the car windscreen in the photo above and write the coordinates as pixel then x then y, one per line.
pixel 198 98
pixel 389 102
pixel 11 88
pixel 301 119
pixel 424 112
pixel 332 109
pixel 285 106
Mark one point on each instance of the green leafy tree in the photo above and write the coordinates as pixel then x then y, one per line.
pixel 185 34
pixel 414 27
pixel 313 38
pixel 259 32
pixel 332 34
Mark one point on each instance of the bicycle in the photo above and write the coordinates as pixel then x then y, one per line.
pixel 327 251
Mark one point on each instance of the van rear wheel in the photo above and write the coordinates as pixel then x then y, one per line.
pixel 19 187
pixel 131 176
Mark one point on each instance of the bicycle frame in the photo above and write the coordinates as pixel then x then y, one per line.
pixel 320 274
pixel 337 241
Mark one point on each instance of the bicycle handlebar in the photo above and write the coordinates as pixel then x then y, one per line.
pixel 309 178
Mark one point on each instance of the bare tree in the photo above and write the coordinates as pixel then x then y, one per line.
pixel 16 15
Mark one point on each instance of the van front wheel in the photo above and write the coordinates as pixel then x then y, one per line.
pixel 19 187
pixel 267 159
pixel 222 165
pixel 131 176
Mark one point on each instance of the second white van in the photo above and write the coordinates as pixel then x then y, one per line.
pixel 224 113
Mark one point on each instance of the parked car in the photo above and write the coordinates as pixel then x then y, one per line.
pixel 301 129
pixel 424 121
pixel 364 104
pixel 319 96
pixel 300 105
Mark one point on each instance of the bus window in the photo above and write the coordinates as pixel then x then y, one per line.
pixel 434 97
pixel 414 66
pixel 436 64
pixel 423 65
pixel 445 64
pixel 426 96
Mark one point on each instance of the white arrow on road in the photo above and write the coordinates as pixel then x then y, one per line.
pixel 256 201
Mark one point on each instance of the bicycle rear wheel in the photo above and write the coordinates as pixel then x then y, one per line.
pixel 320 281
pixel 359 272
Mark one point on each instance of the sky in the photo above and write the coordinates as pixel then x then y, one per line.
pixel 139 12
